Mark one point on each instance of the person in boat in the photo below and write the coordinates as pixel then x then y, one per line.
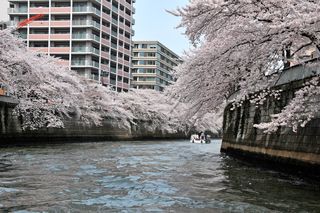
pixel 202 136
pixel 199 135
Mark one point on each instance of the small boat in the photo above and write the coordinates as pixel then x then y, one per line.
pixel 195 139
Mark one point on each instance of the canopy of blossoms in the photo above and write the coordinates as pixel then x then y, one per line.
pixel 238 44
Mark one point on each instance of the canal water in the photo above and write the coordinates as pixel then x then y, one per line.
pixel 149 176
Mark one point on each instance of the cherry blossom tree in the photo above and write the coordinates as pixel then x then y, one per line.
pixel 49 94
pixel 243 45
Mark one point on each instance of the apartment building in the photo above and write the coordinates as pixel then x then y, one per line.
pixel 93 37
pixel 152 65
pixel 3 25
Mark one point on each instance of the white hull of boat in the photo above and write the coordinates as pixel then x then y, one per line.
pixel 199 141
pixel 195 139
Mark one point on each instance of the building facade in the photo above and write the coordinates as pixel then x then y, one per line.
pixel 3 25
pixel 93 37
pixel 152 65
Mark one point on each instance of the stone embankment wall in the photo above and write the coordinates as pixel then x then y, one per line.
pixel 7 122
pixel 74 131
pixel 241 138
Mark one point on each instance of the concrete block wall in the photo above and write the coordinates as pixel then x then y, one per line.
pixel 74 131
pixel 240 136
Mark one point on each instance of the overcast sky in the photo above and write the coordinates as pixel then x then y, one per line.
pixel 152 22
pixel 4 10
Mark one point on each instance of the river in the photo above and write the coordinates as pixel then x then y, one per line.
pixel 148 176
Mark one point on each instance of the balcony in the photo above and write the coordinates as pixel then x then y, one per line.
pixel 113 57
pixel 39 24
pixel 105 29
pixel 85 49
pixel 128 17
pixel 38 36
pixel 85 23
pixel 106 17
pixel 63 63
pixel 120 61
pixel 125 86
pixel 84 63
pixel 105 42
pixel 120 49
pixel 95 64
pixel 113 45
pixel 121 37
pixel 115 21
pixel 39 10
pixel 81 63
pixel 23 35
pixel 39 49
pixel 127 63
pixel 82 36
pixel 86 36
pixel 60 10
pixel 12 23
pixel 114 9
pixel 60 36
pixel 127 28
pixel 113 81
pixel 115 34
pixel 126 4
pixel 126 74
pixel 119 84
pixel 106 3
pixel 60 50
pixel 17 10
pixel 128 52
pixel 105 55
pixel 60 23
pixel 104 67
pixel 87 10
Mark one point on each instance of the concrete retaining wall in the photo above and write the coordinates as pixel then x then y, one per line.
pixel 241 138
pixel 74 131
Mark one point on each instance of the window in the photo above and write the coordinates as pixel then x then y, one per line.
pixel 126 58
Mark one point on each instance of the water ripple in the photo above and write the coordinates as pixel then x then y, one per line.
pixel 149 176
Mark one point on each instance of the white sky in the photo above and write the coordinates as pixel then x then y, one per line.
pixel 4 10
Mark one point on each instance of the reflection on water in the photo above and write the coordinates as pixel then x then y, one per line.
pixel 150 176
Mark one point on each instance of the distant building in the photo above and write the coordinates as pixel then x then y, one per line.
pixel 92 37
pixel 152 64
pixel 3 25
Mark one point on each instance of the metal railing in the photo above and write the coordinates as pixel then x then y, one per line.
pixel 86 9
pixel 85 23
pixel 18 10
